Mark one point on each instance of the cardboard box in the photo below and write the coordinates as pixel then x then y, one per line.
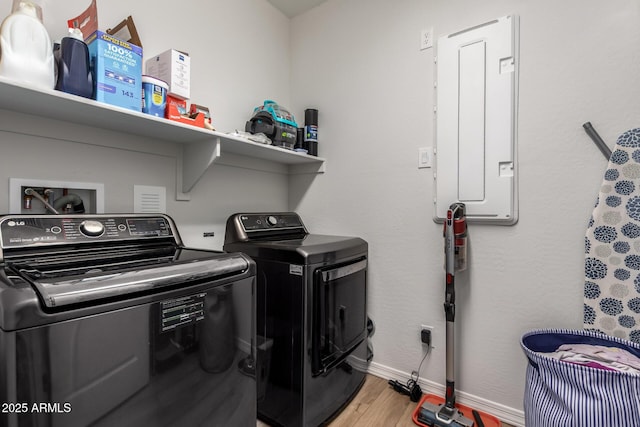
pixel 173 67
pixel 176 108
pixel 117 71
pixel 177 111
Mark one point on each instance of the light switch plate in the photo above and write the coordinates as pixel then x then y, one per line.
pixel 425 157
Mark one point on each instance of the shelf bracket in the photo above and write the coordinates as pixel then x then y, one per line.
pixel 194 161
pixel 307 169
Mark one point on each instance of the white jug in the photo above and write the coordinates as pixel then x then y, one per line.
pixel 26 52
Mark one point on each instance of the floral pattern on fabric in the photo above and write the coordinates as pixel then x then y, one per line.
pixel 612 247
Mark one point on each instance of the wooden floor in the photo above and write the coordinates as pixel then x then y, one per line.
pixel 376 404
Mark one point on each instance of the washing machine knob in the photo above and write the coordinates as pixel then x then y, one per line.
pixel 91 228
pixel 272 220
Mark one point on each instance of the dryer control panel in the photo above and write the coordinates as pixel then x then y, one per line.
pixel 270 221
pixel 243 227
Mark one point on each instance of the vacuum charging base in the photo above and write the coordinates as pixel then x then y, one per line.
pixel 432 415
pixel 430 404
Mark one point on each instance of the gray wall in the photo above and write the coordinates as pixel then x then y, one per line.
pixel 359 63
pixel 240 56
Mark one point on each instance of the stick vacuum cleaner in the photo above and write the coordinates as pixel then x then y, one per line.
pixel 455 239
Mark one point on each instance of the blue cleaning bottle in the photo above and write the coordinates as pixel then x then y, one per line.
pixel 74 66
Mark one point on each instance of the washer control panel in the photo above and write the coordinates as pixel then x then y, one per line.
pixel 91 228
pixel 23 231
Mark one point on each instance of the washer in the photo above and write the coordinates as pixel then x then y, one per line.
pixel 108 320
pixel 311 316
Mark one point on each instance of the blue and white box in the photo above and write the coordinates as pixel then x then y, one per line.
pixel 117 70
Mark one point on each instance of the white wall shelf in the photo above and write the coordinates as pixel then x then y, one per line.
pixel 201 147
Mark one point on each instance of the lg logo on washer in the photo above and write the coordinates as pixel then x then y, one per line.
pixel 14 223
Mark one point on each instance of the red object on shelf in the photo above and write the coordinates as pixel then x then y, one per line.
pixel 87 21
pixel 195 108
pixel 488 420
pixel 174 110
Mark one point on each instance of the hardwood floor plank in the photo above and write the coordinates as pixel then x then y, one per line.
pixel 406 419
pixel 376 405
pixel 385 410
pixel 368 393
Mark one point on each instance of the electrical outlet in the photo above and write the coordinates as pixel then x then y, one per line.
pixel 426 328
pixel 426 39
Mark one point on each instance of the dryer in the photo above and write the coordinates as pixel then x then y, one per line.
pixel 311 316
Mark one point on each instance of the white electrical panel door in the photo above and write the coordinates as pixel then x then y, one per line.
pixel 476 117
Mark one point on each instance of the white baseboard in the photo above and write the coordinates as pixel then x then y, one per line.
pixel 509 415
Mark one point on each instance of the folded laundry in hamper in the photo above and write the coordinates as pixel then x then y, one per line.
pixel 612 246
pixel 598 356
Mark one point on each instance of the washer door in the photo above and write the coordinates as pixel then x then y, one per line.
pixel 340 314
pixel 183 359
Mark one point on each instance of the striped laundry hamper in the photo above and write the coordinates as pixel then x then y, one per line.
pixel 564 394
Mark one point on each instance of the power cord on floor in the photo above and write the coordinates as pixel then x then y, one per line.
pixel 412 389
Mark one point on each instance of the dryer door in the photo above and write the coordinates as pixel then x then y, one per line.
pixel 339 313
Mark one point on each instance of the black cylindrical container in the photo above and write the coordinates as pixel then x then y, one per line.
pixel 301 145
pixel 311 130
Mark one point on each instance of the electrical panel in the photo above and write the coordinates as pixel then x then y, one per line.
pixel 476 122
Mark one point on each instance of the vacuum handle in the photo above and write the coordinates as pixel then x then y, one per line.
pixel 455 235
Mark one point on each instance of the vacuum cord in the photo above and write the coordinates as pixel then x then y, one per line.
pixel 412 388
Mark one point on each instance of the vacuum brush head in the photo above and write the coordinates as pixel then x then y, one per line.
pixel 433 416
